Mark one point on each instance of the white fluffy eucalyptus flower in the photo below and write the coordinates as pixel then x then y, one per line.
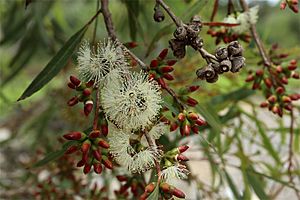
pixel 132 102
pixel 124 154
pixel 177 171
pixel 94 64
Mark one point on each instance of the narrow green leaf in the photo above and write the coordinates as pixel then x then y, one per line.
pixel 55 64
pixel 54 155
pixel 256 185
pixel 210 115
pixel 232 186
pixel 236 95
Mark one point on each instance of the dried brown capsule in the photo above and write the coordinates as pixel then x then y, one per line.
pixel 158 16
pixel 213 79
pixel 225 65
pixel 196 20
pixel 206 72
pixel 237 63
pixel 217 68
pixel 178 48
pixel 235 49
pixel 193 30
pixel 197 43
pixel 180 33
pixel 221 53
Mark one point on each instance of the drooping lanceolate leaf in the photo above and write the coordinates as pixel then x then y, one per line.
pixel 55 64
pixel 256 185
pixel 54 155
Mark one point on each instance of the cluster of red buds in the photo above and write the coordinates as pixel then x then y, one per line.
pixel 272 82
pixel 135 184
pixel 226 35
pixel 293 5
pixel 93 148
pixel 84 91
pixel 229 58
pixel 160 68
pixel 165 189
pixel 188 122
pixel 183 95
pixel 175 156
pixel 49 190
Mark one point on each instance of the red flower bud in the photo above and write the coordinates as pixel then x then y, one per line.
pixel 104 129
pixel 200 122
pixel 293 62
pixel 71 85
pixel 107 163
pixel 250 78
pixel 272 99
pixel 264 104
pixel 97 168
pixel 180 157
pixel 286 99
pixel 74 135
pixel 71 149
pixel 173 126
pixel 81 163
pixel 150 188
pixel 86 92
pixel 94 134
pixel 178 193
pixel 131 45
pixel 295 75
pixel 88 107
pixel 85 147
pixel 280 90
pixel 288 107
pixel 122 178
pixel 283 55
pixel 87 168
pixel 75 81
pixel 259 72
pixel 192 116
pixel 162 83
pixel 73 101
pixel 169 77
pixel 97 155
pixel 181 117
pixel 163 54
pixel 193 88
pixel 255 86
pixel 192 102
pixel 279 69
pixel 183 148
pixel 282 5
pixel 103 144
pixel 151 76
pixel 171 62
pixel 195 129
pixel 294 97
pixel 143 196
pixel 268 82
pixel 166 69
pixel 185 130
pixel 154 63
pixel 284 80
pixel 165 187
pixel 292 67
pixel 89 84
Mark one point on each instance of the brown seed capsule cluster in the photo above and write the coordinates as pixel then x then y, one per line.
pixel 229 59
pixel 93 147
pixel 186 35
pixel 272 82
pixel 158 16
pixel 84 91
pixel 160 68
pixel 134 185
pixel 166 190
pixel 188 122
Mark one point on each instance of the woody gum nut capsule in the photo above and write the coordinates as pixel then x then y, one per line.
pixel 213 79
pixel 193 30
pixel 180 33
pixel 178 48
pixel 235 49
pixel 196 43
pixel 74 135
pixel 97 168
pixel 237 63
pixel 225 65
pixel 158 16
pixel 88 107
pixel 221 53
pixel 75 81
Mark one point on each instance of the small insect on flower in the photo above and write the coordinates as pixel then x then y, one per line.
pixel 132 102
pixel 130 153
pixel 95 63
pixel 176 171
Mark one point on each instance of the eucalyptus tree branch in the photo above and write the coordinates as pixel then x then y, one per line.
pixel 175 19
